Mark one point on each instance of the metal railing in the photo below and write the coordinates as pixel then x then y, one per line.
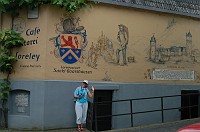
pixel 131 113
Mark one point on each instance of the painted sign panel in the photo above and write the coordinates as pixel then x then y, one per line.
pixel 21 102
pixel 166 74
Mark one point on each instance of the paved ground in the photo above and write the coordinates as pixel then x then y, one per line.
pixel 164 127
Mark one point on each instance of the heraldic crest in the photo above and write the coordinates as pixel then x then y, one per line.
pixel 71 40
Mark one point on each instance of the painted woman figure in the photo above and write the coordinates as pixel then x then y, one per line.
pixel 122 37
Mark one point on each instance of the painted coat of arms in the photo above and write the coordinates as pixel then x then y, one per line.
pixel 71 40
pixel 70 48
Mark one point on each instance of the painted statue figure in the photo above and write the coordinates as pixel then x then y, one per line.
pixel 122 37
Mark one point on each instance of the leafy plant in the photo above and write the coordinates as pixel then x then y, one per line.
pixel 4 91
pixel 13 6
pixel 71 5
pixel 6 63
pixel 9 39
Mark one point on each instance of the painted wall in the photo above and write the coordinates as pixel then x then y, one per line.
pixel 60 51
pixel 108 43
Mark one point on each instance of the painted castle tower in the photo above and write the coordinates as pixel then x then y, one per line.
pixel 162 55
pixel 189 44
pixel 152 55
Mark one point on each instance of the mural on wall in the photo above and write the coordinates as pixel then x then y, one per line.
pixel 178 55
pixel 119 53
pixel 122 37
pixel 71 41
pixel 105 49
pixel 185 52
pixel 173 54
pixel 92 56
pixel 72 47
pixel 181 56
pixel 117 50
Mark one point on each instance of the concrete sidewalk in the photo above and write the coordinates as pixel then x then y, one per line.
pixel 163 127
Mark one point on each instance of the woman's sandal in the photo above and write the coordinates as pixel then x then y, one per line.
pixel 79 129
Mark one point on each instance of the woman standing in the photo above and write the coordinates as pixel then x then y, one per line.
pixel 81 106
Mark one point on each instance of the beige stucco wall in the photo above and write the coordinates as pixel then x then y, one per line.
pixel 31 56
pixel 99 64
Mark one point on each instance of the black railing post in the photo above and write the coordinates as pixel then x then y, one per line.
pixel 189 106
pixel 131 108
pixel 162 109
pixel 91 114
pixel 95 114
